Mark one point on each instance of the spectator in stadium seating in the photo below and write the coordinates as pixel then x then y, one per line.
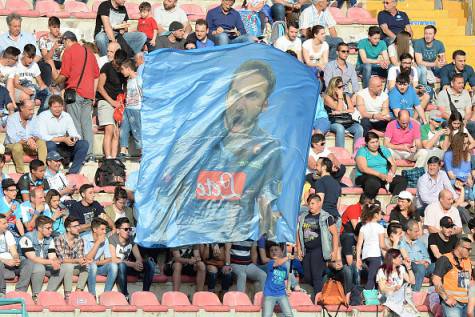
pixel 456 97
pixel 98 256
pixel 429 54
pixel 126 254
pixel 23 136
pixel 338 102
pixel 112 47
pixel 290 41
pixel 10 208
pixel 317 242
pixel 375 167
pixel 200 37
pixel 225 25
pixel 70 251
pixel 373 56
pixel 414 249
pixel 11 264
pixel 471 236
pixel 110 86
pixel 241 258
pixel 56 211
pixel 147 25
pixel 51 48
pixel 403 139
pixel 433 135
pixel 31 209
pixel 444 241
pixel 431 184
pixel 328 188
pixel 318 150
pixel 56 178
pixel 457 66
pixel 119 208
pixel 456 124
pixel 8 60
pixel 187 260
pixel 2 165
pixel 394 235
pixel 34 179
pixel 370 243
pixel 174 39
pixel 16 37
pixel 315 49
pixel 112 21
pixel 402 45
pixel 451 279
pixel 213 256
pixel 169 12
pixel 341 68
pixel 38 248
pixel 321 124
pixel 405 210
pixel 87 209
pixel 435 211
pixel 74 58
pixel 392 21
pixel 58 130
pixel 373 105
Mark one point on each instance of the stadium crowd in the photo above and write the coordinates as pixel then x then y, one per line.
pixel 57 91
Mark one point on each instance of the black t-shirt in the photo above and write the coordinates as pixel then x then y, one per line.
pixel 25 184
pixel 397 216
pixel 444 246
pixel 115 81
pixel 311 231
pixel 164 42
pixel 116 16
pixel 332 190
pixel 85 214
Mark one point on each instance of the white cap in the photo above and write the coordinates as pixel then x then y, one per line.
pixel 405 195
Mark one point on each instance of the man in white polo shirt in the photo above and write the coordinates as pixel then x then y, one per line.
pixel 439 209
pixel 168 13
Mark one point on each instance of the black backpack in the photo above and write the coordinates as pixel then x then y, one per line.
pixel 111 172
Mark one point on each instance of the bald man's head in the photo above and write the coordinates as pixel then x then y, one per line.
pixel 403 119
pixel 375 85
pixel 446 199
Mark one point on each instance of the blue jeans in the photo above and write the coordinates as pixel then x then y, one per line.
pixel 340 3
pixel 459 310
pixel 131 125
pixel 471 128
pixel 223 39
pixel 78 155
pixel 355 129
pixel 269 304
pixel 322 124
pixel 149 270
pixel 420 271
pixel 278 12
pixel 367 70
pixel 109 270
pixel 136 41
pixel 422 72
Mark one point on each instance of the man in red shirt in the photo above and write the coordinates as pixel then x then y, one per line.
pixel 75 58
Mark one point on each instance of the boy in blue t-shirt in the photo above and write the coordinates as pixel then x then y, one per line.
pixel 275 286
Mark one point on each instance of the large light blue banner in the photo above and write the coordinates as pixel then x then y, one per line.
pixel 225 141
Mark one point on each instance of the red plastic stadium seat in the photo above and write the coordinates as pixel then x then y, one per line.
pixel 390 208
pixel 40 34
pixel 368 308
pixel 240 302
pixel 405 163
pixel 22 7
pixel 147 302
pixel 133 10
pixel 178 301
pixel 302 302
pixel 50 8
pixel 193 11
pixel 15 176
pixel 209 302
pixel 116 302
pixel 339 16
pixel 342 155
pixel 54 302
pixel 361 16
pixel 160 278
pixel 77 179
pixel 30 304
pixel 347 181
pixel 85 302
pixel 104 189
pixel 78 10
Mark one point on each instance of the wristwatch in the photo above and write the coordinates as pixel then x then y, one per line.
pixel 227 264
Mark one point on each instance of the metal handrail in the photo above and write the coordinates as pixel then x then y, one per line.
pixel 13 301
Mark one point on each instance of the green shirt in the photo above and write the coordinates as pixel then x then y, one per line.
pixel 376 162
pixel 372 52
pixel 427 134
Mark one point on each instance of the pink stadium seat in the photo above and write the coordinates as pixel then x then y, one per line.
pixel 147 302
pixel 116 302
pixel 78 10
pixel 133 10
pixel 85 302
pixel 30 304
pixel 212 6
pixel 40 34
pixel 178 301
pixel 339 16
pixel 156 6
pixel 240 302
pixel 347 181
pixel 342 155
pixel 405 163
pixel 419 299
pixel 302 303
pixel 160 278
pixel 193 11
pixel 54 302
pixel 209 302
pixel 22 7
pixel 15 176
pixel 50 8
pixel 96 5
pixel 390 208
pixel 104 189
pixel 342 209
pixel 77 179
pixel 361 16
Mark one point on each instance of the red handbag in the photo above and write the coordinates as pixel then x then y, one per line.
pixel 119 110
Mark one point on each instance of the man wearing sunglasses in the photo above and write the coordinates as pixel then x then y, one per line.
pixel 456 96
pixel 392 21
pixel 341 68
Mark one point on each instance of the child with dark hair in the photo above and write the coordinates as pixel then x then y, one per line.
pixel 147 25
pixel 51 46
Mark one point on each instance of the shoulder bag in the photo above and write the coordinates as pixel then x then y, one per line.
pixel 70 93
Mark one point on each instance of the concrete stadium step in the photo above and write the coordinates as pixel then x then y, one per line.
pixel 455 32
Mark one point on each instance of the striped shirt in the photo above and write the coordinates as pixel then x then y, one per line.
pixel 241 252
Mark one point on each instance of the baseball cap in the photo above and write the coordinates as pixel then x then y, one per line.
pixel 54 156
pixel 436 115
pixel 175 26
pixel 446 222
pixel 8 182
pixel 68 35
pixel 405 195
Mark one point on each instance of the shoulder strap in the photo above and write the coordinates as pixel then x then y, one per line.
pixel 453 109
pixel 83 67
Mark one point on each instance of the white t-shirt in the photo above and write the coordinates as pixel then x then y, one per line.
pixel 315 55
pixel 434 213
pixel 392 51
pixel 395 70
pixel 134 93
pixel 316 156
pixel 6 241
pixel 6 72
pixel 284 44
pixel 102 60
pixel 310 17
pixel 371 232
pixel 27 73
pixel 395 278
pixel 373 105
pixel 166 17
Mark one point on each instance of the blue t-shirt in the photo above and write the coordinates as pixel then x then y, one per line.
pixel 275 281
pixel 376 162
pixel 406 101
pixel 4 208
pixel 200 44
pixel 429 54
pixel 462 171
pixel 372 51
